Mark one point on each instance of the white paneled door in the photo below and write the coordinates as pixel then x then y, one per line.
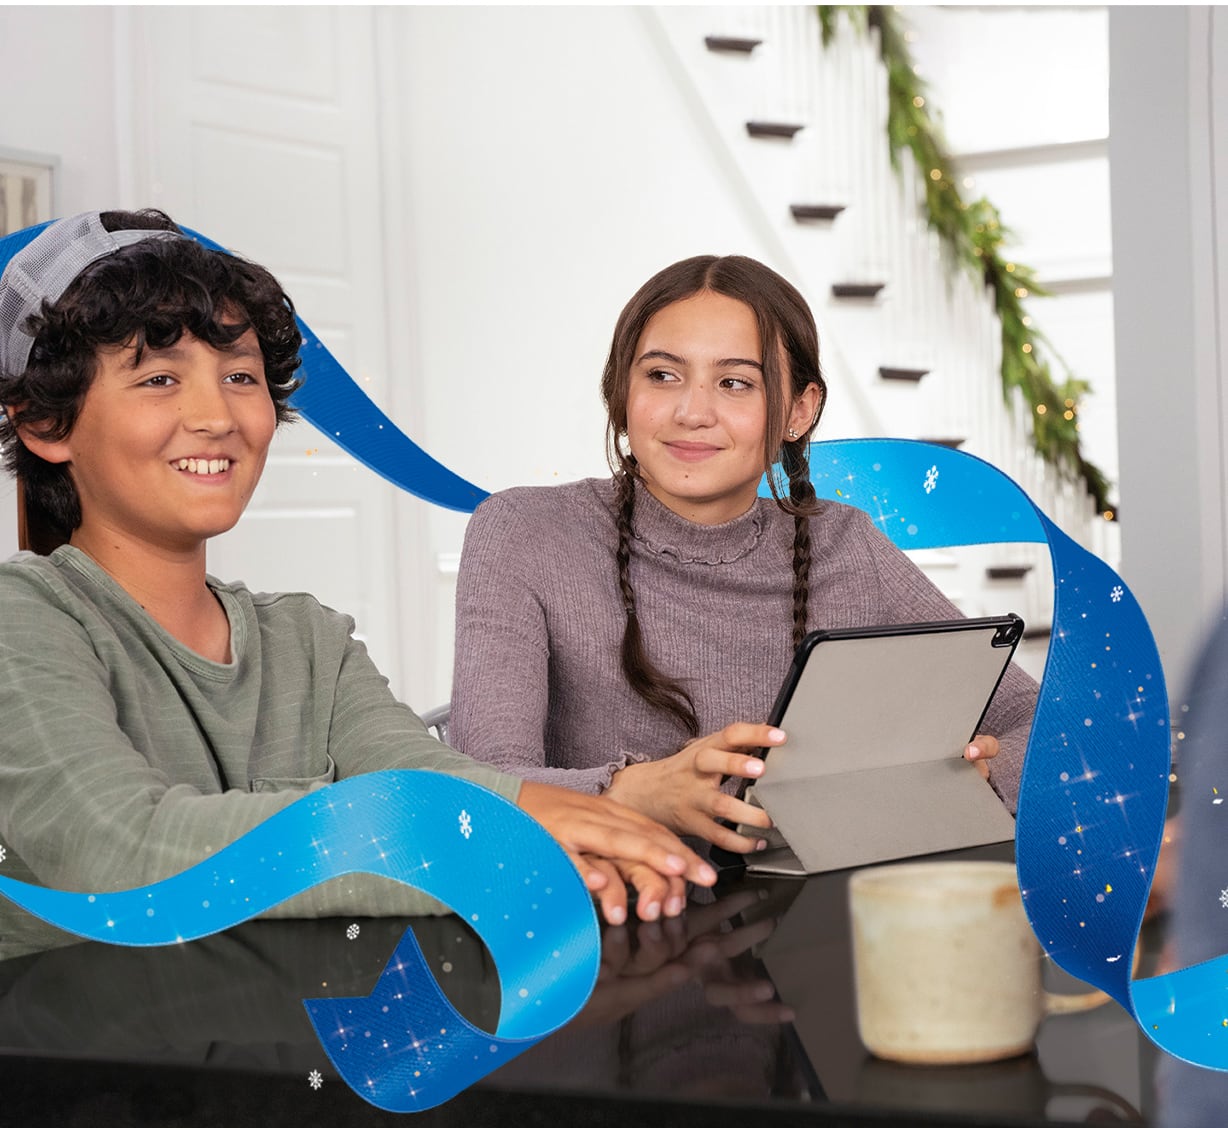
pixel 259 128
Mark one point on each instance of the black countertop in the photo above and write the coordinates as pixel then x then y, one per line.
pixel 742 1011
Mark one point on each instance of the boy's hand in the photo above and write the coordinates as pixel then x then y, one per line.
pixel 611 844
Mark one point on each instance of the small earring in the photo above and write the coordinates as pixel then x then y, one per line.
pixel 792 433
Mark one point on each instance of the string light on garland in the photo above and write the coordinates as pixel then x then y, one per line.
pixel 972 234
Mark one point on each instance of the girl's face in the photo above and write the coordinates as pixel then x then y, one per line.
pixel 697 407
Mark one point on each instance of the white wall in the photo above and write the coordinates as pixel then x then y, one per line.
pixel 1169 104
pixel 57 85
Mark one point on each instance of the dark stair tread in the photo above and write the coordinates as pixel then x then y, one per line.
pixel 911 374
pixel 731 44
pixel 1007 571
pixel 803 212
pixel 781 129
pixel 857 289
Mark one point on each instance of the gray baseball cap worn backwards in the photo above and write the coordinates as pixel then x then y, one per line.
pixel 45 268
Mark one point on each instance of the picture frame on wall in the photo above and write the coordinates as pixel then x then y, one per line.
pixel 28 183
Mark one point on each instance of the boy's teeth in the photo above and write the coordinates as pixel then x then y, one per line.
pixel 204 465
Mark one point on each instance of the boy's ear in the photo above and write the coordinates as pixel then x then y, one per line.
pixel 49 450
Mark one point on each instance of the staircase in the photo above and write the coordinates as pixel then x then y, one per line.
pixel 910 348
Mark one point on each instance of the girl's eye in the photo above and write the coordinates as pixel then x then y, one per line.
pixel 737 384
pixel 660 376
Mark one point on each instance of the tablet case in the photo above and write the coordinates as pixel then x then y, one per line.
pixel 878 719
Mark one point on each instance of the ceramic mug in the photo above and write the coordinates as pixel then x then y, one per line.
pixel 947 968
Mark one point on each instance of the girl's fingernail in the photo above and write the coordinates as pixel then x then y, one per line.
pixel 972 752
pixel 761 844
pixel 675 863
pixel 651 911
pixel 776 735
pixel 754 767
pixel 707 874
pixel 674 906
pixel 616 915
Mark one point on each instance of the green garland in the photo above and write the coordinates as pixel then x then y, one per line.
pixel 973 236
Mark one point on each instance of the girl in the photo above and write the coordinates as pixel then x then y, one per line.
pixel 602 626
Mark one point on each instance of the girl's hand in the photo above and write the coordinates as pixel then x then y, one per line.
pixel 683 791
pixel 981 749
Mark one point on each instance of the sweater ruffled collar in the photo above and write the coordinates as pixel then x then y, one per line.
pixel 659 529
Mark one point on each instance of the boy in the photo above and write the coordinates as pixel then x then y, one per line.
pixel 151 714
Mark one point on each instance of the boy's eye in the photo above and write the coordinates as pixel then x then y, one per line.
pixel 240 378
pixel 161 380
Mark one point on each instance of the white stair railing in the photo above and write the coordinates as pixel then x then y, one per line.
pixel 929 315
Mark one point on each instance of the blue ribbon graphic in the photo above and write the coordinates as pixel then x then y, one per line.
pixel 1094 792
pixel 404 1048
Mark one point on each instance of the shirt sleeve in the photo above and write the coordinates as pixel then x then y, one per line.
pixel 907 595
pixel 501 681
pixel 85 810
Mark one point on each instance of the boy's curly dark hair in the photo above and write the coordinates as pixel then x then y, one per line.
pixel 147 294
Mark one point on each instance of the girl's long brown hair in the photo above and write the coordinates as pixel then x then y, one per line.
pixel 786 328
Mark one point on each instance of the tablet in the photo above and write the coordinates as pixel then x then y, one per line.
pixel 878 719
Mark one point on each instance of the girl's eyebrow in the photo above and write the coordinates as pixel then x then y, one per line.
pixel 728 362
pixel 661 354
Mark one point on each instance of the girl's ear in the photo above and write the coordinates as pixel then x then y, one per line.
pixel 805 409
pixel 49 450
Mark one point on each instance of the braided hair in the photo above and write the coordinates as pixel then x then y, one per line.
pixel 786 331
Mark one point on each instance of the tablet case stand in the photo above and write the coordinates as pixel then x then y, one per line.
pixel 873 769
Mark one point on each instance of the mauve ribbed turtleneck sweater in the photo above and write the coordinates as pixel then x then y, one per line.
pixel 539 689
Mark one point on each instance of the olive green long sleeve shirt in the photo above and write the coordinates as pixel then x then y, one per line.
pixel 125 757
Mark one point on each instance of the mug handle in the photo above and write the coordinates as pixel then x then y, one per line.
pixel 1082 1001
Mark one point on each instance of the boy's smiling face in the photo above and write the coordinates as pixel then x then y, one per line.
pixel 167 452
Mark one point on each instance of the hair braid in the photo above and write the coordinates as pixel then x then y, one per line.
pixel 654 687
pixel 794 459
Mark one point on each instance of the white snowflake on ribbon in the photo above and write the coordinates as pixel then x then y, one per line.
pixel 931 479
pixel 466 825
pixel 1223 898
pixel 351 933
pixel 314 1079
pixel 1116 594
pixel 3 854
